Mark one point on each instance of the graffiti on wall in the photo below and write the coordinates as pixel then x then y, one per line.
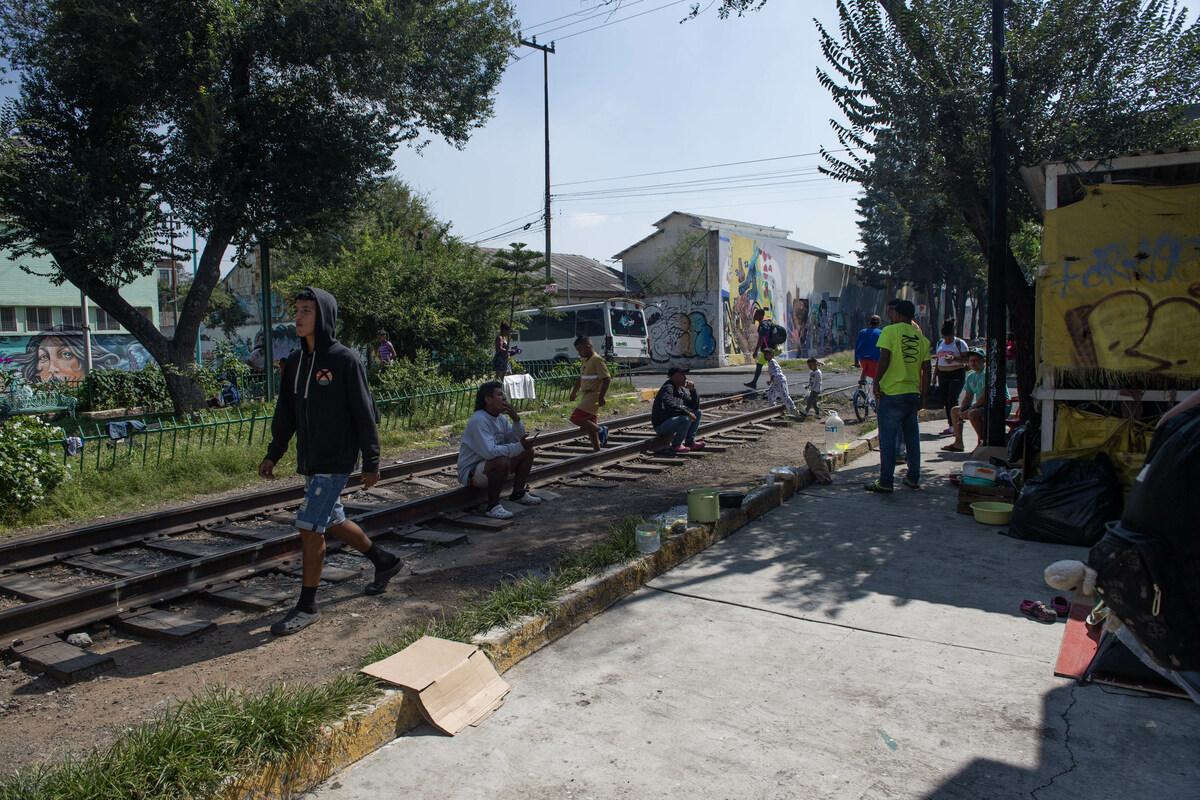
pixel 752 278
pixel 680 329
pixel 57 354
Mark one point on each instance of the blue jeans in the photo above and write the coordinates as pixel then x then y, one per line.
pixel 897 416
pixel 322 504
pixel 680 428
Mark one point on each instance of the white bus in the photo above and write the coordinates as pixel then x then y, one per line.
pixel 616 326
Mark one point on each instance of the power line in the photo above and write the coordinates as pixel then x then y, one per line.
pixel 698 182
pixel 502 224
pixel 622 19
pixel 634 192
pixel 607 9
pixel 706 166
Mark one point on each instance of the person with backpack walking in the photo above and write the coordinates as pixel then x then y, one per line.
pixel 324 402
pixel 770 334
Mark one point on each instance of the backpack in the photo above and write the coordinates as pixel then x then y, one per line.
pixel 230 396
pixel 776 334
pixel 1148 564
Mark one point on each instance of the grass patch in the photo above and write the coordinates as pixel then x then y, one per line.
pixel 867 427
pixel 219 734
pixel 843 359
pixel 125 486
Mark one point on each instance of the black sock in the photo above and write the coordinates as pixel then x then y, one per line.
pixel 382 559
pixel 308 599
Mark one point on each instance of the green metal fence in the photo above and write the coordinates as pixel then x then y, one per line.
pixel 169 438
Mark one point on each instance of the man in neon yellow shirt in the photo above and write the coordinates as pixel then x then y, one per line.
pixel 900 392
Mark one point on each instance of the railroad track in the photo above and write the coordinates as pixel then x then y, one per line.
pixel 210 549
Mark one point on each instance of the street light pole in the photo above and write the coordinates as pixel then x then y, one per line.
pixel 546 51
pixel 997 326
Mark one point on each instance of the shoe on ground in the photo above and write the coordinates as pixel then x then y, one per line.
pixel 876 486
pixel 499 512
pixel 294 621
pixel 947 432
pixel 697 445
pixel 527 499
pixel 912 484
pixel 683 448
pixel 382 577
pixel 603 436
pixel 750 385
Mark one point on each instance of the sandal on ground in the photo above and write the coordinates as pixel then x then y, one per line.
pixel 947 432
pixel 912 484
pixel 527 499
pixel 696 445
pixel 1061 606
pixel 1036 609
pixel 952 448
pixel 294 621
pixel 382 576
pixel 499 512
pixel 1097 615
pixel 876 486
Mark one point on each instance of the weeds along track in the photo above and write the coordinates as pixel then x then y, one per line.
pixel 120 572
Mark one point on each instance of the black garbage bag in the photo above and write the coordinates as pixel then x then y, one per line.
pixel 1069 503
pixel 1148 565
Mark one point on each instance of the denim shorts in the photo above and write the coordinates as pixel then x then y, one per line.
pixel 322 505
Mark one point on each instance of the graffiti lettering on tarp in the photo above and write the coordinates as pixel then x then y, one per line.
pixel 1168 258
pixel 57 354
pixel 1129 323
pixel 679 328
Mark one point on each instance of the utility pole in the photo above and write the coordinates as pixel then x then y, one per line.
pixel 546 51
pixel 997 326
pixel 264 256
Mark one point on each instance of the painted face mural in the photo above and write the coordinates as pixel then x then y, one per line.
pixel 57 354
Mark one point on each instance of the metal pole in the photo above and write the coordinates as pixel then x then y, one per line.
pixel 195 266
pixel 546 51
pixel 997 240
pixel 87 333
pixel 264 255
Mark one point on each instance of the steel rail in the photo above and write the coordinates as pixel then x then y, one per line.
pixel 57 614
pixel 24 554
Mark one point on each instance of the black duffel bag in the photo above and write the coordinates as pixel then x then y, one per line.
pixel 1069 503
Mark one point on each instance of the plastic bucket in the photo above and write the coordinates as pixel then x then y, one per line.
pixel 647 538
pixel 703 505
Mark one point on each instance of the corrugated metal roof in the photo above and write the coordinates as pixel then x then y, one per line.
pixel 734 226
pixel 586 274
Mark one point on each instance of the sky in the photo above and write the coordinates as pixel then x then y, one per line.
pixel 636 92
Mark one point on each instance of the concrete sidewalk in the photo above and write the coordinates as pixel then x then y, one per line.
pixel 844 645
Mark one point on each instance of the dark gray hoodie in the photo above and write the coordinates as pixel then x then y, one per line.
pixel 324 400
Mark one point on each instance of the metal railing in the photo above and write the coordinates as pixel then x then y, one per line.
pixel 178 437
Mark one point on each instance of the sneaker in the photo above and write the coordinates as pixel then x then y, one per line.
pixel 526 499
pixel 603 435
pixel 382 577
pixel 683 448
pixel 876 486
pixel 910 483
pixel 947 432
pixel 294 621
pixel 750 385
pixel 499 512
pixel 697 445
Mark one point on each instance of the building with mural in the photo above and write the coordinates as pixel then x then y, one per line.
pixel 702 313
pixel 41 325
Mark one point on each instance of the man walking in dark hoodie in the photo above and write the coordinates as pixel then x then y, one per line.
pixel 324 401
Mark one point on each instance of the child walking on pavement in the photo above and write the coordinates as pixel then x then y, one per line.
pixel 777 385
pixel 814 387
pixel 325 404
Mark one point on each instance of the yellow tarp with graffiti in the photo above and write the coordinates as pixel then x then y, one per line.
pixel 1121 289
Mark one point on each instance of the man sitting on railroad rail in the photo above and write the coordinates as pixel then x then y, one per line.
pixel 492 448
pixel 324 402
pixel 676 411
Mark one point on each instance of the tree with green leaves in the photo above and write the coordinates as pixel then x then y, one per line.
pixel 1086 77
pixel 524 274
pixel 247 121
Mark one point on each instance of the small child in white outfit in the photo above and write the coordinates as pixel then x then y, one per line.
pixel 814 386
pixel 777 386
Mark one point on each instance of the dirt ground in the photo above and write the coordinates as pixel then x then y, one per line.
pixel 40 717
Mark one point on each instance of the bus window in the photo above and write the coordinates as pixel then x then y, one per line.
pixel 535 331
pixel 628 322
pixel 590 322
pixel 561 328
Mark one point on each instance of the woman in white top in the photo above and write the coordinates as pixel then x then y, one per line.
pixel 951 357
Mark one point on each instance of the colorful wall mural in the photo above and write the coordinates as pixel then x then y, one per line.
pixel 752 276
pixel 58 354
pixel 682 329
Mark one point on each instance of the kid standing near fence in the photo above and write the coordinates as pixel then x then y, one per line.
pixel 777 386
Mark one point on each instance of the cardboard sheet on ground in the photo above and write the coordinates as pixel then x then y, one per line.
pixel 1121 284
pixel 453 684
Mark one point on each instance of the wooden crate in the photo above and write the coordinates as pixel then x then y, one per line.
pixel 983 494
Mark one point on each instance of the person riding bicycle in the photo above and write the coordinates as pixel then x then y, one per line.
pixel 866 349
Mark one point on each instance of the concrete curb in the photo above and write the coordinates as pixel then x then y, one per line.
pixel 392 715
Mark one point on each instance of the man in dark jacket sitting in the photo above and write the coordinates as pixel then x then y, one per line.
pixel 676 411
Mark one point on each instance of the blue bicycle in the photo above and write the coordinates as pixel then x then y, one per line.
pixel 863 400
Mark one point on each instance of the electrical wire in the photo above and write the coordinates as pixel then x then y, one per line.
pixel 706 166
